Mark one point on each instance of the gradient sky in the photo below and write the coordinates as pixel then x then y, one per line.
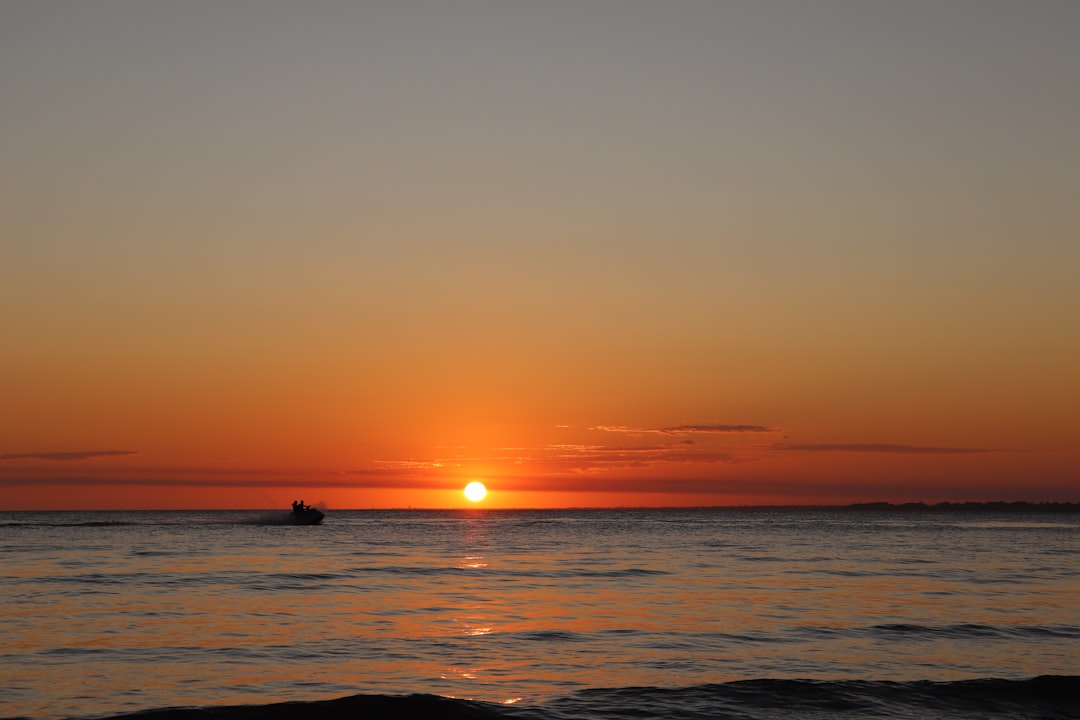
pixel 598 252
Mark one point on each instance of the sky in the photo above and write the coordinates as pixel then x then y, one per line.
pixel 590 253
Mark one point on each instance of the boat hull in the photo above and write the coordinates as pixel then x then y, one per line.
pixel 310 516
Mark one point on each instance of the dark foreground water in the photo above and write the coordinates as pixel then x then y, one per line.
pixel 541 614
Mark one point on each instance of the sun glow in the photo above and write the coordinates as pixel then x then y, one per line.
pixel 475 491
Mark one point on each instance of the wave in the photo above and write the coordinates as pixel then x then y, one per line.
pixel 1045 697
pixel 974 630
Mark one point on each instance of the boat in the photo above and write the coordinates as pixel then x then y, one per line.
pixel 305 515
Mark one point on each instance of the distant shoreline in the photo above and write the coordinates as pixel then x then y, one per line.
pixel 1017 506
pixel 996 506
pixel 993 506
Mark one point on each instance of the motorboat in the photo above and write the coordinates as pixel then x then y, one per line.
pixel 305 515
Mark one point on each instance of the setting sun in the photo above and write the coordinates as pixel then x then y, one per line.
pixel 475 491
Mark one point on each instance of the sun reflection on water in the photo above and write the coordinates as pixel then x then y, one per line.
pixel 472 562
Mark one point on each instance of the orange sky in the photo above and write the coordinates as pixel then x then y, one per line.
pixel 600 254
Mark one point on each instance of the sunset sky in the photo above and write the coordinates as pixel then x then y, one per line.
pixel 591 253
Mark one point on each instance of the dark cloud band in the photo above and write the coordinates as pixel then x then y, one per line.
pixel 68 456
pixel 688 429
pixel 881 448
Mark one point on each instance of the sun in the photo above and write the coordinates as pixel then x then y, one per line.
pixel 475 491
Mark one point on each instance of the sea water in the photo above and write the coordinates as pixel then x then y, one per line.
pixel 587 613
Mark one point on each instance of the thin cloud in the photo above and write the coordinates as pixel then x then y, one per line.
pixel 694 429
pixel 881 448
pixel 676 483
pixel 561 458
pixel 402 469
pixel 715 429
pixel 68 456
pixel 597 458
pixel 254 481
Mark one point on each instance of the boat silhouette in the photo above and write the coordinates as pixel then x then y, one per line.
pixel 305 514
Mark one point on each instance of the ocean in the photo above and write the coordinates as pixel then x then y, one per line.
pixel 701 613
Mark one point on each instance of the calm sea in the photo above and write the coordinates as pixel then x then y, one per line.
pixel 558 614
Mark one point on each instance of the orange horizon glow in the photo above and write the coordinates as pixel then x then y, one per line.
pixel 677 465
pixel 786 475
pixel 558 466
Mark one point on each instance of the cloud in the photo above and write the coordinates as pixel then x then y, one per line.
pixel 694 429
pixel 68 456
pixel 557 459
pixel 596 458
pixel 721 429
pixel 881 448
pixel 404 468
